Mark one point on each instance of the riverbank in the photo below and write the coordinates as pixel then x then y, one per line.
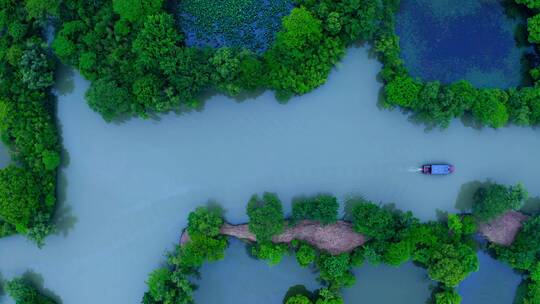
pixel 333 238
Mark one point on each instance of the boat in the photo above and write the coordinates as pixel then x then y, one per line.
pixel 437 169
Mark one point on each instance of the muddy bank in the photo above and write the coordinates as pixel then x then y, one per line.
pixel 334 238
pixel 340 237
pixel 503 230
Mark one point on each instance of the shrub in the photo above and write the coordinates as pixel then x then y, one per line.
pixel 322 208
pixel 494 200
pixel 265 216
pixel 305 255
pixel 205 222
pixel 272 253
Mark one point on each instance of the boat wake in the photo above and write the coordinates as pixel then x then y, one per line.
pixel 414 169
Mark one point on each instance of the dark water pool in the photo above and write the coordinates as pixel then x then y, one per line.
pixel 495 283
pixel 449 40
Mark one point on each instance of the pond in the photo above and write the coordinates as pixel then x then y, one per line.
pixel 252 281
pixel 463 39
pixel 496 283
pixel 385 284
pixel 126 189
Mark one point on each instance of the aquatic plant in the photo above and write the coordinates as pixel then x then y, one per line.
pixel 250 24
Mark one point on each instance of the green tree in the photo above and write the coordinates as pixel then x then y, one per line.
pixel 335 269
pixel 305 255
pixel 398 253
pixel 373 221
pixel 272 253
pixel 108 98
pixel 533 26
pixel 157 41
pixel 24 292
pixel 298 299
pixel 20 197
pixel 39 9
pixel 205 222
pixel 451 264
pixel 135 10
pixel 533 4
pixel 454 224
pixel 402 91
pixel 36 67
pixel 494 200
pixel 447 297
pixel 265 216
pixel 490 108
pixel 51 159
pixel 301 57
pixel 322 208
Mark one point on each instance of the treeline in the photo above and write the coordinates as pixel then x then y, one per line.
pixel 27 121
pixel 437 104
pixel 138 63
pixel 445 248
pixel 24 292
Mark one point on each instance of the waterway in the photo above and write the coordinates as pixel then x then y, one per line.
pixel 126 189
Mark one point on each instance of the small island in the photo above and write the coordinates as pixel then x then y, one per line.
pixel 370 233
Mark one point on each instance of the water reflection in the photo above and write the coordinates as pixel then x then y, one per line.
pixel 407 284
pixel 241 279
pixel 495 283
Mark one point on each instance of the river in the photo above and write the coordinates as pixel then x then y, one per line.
pixel 126 189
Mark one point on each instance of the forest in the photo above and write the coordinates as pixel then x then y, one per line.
pixel 446 248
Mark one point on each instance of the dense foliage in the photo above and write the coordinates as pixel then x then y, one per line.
pixel 322 208
pixel 266 217
pixel 443 248
pixel 494 200
pixel 23 292
pixel 172 284
pixel 27 125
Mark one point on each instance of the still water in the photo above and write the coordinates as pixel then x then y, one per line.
pixel 126 189
pixel 385 284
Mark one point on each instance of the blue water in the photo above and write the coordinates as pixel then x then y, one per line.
pixel 241 279
pixel 383 284
pixel 461 39
pixel 495 283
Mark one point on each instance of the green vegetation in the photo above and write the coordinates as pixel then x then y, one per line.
pixel 24 292
pixel 302 56
pixel 494 200
pixel 172 284
pixel 305 254
pixel 272 253
pixel 397 237
pixel 265 216
pixel 27 125
pixel 322 208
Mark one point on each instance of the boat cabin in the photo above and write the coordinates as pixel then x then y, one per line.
pixel 437 169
